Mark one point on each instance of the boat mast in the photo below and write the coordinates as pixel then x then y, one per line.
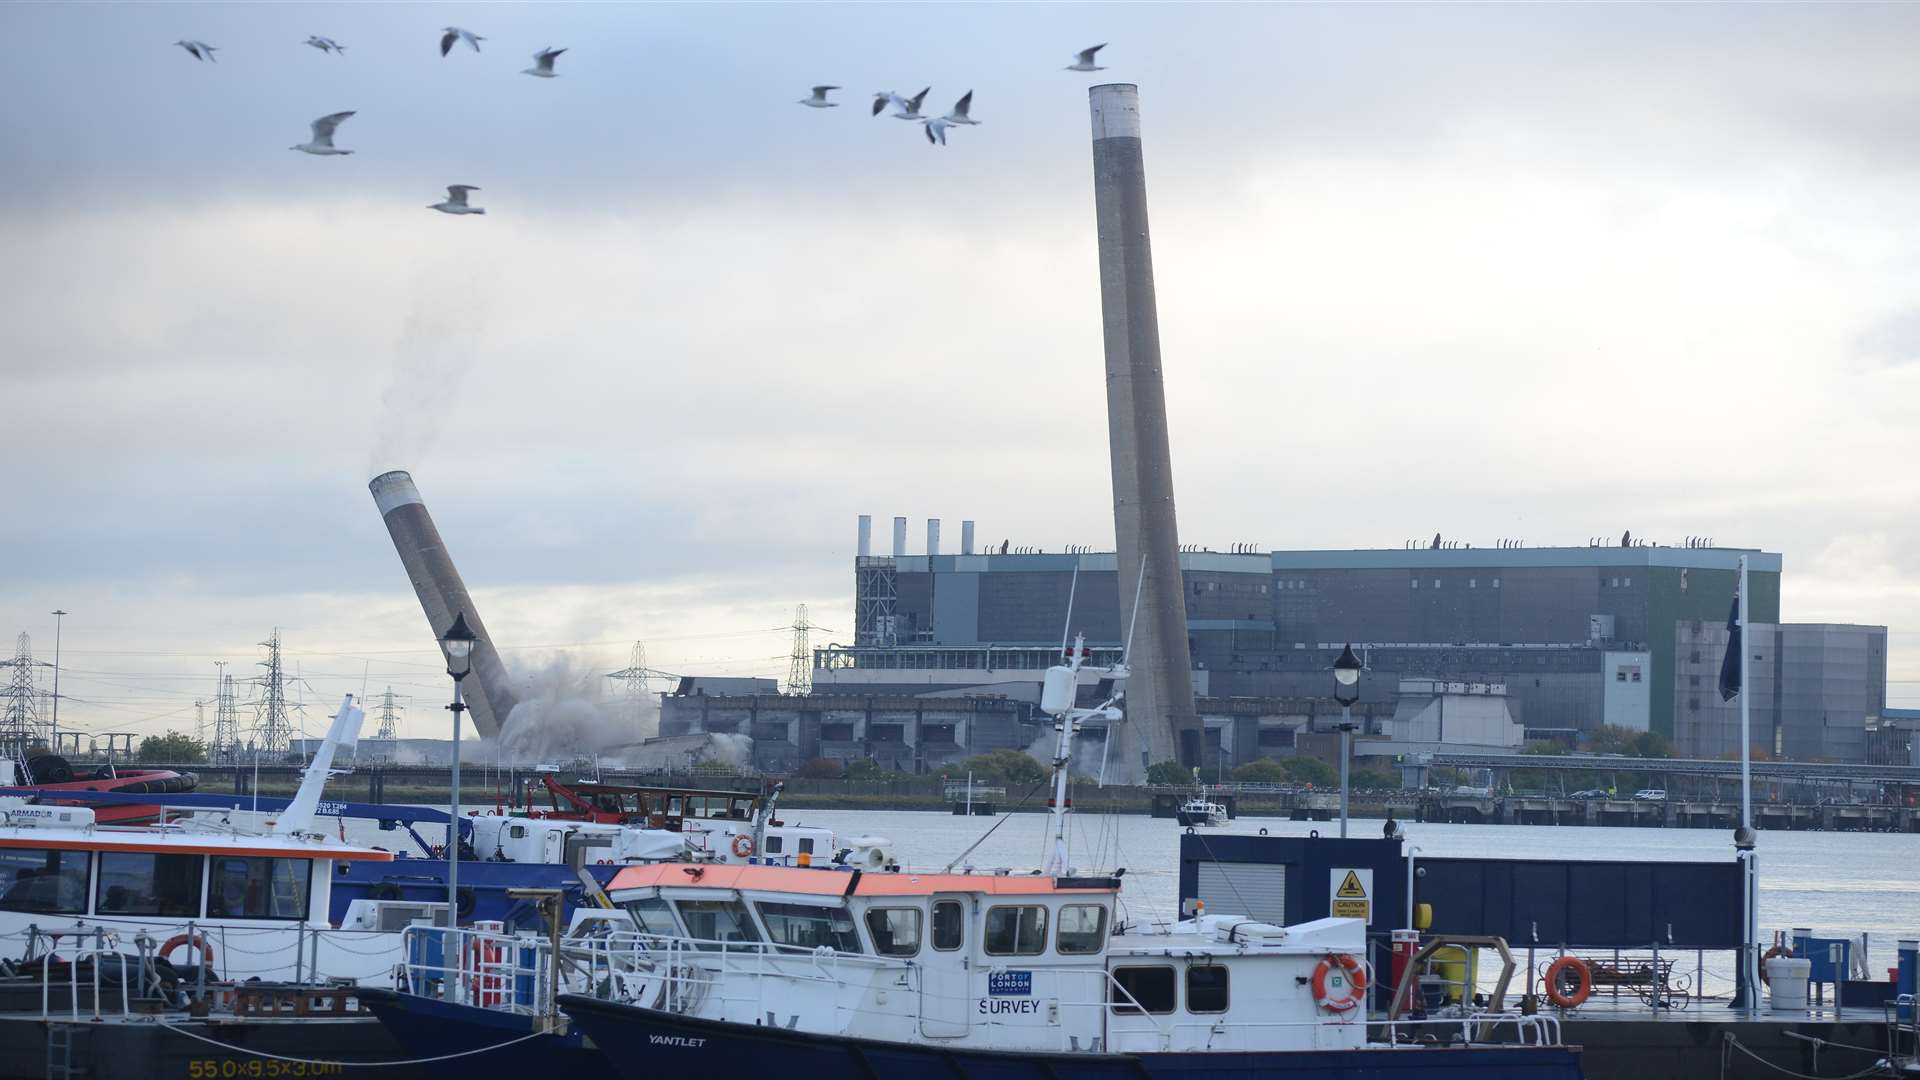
pixel 1057 699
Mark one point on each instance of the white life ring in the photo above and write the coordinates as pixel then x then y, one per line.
pixel 742 845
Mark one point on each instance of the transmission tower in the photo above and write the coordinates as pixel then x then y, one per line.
pixel 633 679
pixel 389 730
pixel 272 731
pixel 800 663
pixel 20 726
pixel 226 723
pixel 200 721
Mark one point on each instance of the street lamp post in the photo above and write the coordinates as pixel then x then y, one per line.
pixel 457 643
pixel 1346 691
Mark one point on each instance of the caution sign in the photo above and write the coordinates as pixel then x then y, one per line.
pixel 1351 894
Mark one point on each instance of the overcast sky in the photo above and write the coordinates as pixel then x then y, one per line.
pixel 1546 272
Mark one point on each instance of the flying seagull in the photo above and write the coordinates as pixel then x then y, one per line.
pixel 543 63
pixel 456 201
pixel 200 50
pixel 453 34
pixel 1084 60
pixel 959 113
pixel 937 129
pixel 322 141
pixel 909 107
pixel 819 98
pixel 325 44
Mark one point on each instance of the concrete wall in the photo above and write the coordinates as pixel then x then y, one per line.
pixel 1626 685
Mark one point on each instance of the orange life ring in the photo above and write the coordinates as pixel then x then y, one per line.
pixel 742 845
pixel 1776 950
pixel 1340 982
pixel 195 940
pixel 1582 987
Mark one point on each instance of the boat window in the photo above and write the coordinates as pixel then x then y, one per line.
pixel 242 887
pixel 673 806
pixel 775 842
pixel 949 925
pixel 1016 931
pixel 805 845
pixel 895 930
pixel 709 921
pixel 148 883
pixel 1083 929
pixel 809 926
pixel 36 880
pixel 650 913
pixel 1207 989
pixel 1151 987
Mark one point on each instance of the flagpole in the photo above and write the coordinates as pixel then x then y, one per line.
pixel 1746 713
pixel 1744 839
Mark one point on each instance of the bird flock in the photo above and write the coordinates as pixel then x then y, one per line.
pixel 320 139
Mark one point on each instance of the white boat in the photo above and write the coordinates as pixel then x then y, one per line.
pixel 1200 810
pixel 246 899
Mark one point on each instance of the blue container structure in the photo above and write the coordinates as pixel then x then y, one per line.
pixel 1908 976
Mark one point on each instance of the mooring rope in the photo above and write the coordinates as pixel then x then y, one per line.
pixel 346 1064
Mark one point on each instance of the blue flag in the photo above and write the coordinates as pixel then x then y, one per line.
pixel 1730 665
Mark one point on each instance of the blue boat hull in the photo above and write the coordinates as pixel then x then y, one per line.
pixel 643 1044
pixel 487 1043
pixel 486 883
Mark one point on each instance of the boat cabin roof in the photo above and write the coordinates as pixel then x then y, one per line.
pixel 180 842
pixel 836 882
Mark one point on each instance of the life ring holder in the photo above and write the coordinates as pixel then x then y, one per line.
pixel 743 845
pixel 1340 982
pixel 1582 984
pixel 1771 953
pixel 195 940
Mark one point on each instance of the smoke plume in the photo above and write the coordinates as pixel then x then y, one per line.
pixel 565 714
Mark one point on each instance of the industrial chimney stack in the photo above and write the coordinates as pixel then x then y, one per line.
pixel 442 594
pixel 1161 721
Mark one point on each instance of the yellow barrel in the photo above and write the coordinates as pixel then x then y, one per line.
pixel 1457 966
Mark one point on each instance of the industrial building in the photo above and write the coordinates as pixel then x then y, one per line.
pixel 1528 642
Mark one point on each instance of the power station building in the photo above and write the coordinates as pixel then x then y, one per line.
pixel 1557 640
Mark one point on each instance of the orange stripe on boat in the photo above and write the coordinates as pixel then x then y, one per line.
pixel 794 879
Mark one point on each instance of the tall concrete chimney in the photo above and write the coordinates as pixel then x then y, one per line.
pixel 966 538
pixel 866 535
pixel 933 536
pixel 442 594
pixel 1162 723
pixel 899 537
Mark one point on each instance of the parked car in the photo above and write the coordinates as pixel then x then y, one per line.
pixel 1592 793
pixel 1652 794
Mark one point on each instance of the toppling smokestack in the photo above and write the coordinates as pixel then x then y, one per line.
pixel 866 535
pixel 1162 723
pixel 442 594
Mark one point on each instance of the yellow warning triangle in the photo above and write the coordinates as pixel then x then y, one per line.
pixel 1351 887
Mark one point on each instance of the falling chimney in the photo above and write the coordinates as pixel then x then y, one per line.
pixel 442 594
pixel 1162 723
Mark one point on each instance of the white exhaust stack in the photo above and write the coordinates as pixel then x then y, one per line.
pixel 442 594
pixel 899 537
pixel 866 535
pixel 966 538
pixel 933 536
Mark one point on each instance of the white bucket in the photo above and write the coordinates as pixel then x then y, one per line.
pixel 1787 978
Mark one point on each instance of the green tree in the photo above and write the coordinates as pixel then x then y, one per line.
pixel 816 769
pixel 1374 779
pixel 1650 744
pixel 1306 770
pixel 1005 766
pixel 869 769
pixel 1168 773
pixel 173 747
pixel 1263 771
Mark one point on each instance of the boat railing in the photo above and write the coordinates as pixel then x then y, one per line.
pixel 97 950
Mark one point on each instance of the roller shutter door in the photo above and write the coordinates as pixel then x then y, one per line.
pixel 1258 892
